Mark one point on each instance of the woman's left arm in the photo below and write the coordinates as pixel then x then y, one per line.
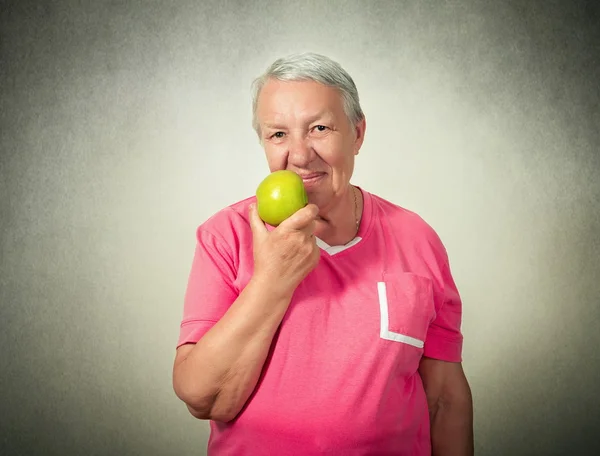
pixel 450 407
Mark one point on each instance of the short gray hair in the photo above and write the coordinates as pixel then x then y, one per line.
pixel 315 67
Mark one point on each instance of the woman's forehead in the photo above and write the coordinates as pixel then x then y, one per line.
pixel 281 100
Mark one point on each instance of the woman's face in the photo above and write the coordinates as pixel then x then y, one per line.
pixel 304 129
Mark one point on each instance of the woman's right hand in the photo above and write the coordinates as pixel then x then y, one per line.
pixel 285 256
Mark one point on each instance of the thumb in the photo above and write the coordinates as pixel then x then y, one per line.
pixel 256 224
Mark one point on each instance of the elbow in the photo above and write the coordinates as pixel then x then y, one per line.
pixel 199 407
pixel 457 394
pixel 198 412
pixel 204 400
pixel 458 400
pixel 433 405
pixel 212 413
pixel 223 409
pixel 459 403
pixel 207 408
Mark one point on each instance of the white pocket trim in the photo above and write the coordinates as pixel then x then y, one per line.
pixel 385 332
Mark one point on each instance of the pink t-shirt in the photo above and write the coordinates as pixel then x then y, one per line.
pixel 342 374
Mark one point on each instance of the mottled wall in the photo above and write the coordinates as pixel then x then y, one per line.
pixel 126 124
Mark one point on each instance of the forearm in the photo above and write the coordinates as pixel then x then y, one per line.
pixel 452 428
pixel 219 374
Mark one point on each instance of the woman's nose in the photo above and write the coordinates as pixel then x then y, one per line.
pixel 300 152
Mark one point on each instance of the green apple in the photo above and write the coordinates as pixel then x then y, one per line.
pixel 279 195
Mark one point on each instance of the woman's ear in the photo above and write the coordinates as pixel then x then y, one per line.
pixel 359 130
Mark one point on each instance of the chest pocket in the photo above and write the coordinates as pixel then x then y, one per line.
pixel 406 307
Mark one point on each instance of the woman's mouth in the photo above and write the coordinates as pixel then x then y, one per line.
pixel 311 179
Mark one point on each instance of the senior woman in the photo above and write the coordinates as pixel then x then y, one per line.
pixel 338 331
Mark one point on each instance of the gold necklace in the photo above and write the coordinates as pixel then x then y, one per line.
pixel 355 208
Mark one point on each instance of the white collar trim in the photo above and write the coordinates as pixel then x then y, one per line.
pixel 333 249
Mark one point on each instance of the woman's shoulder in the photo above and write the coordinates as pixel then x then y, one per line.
pixel 229 223
pixel 406 222
pixel 400 213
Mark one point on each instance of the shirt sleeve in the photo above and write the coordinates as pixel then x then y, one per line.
pixel 210 289
pixel 444 338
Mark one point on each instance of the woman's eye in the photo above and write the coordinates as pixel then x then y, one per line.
pixel 278 135
pixel 320 128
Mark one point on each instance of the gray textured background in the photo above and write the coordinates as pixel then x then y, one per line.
pixel 126 124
